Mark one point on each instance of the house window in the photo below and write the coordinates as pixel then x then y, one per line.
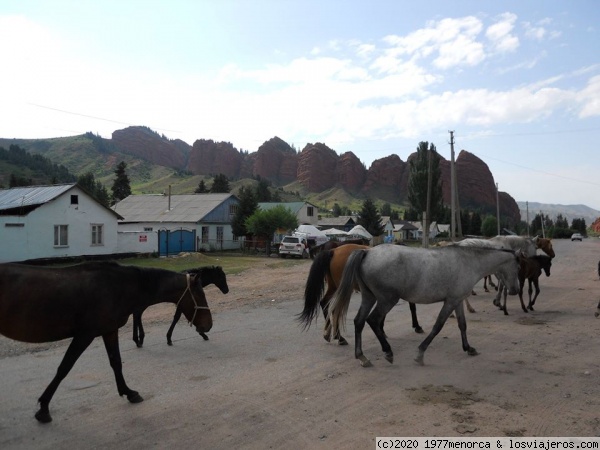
pixel 61 235
pixel 205 235
pixel 220 236
pixel 310 211
pixel 235 238
pixel 148 229
pixel 74 199
pixel 97 234
pixel 233 209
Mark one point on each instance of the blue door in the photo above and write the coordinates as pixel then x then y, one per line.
pixel 172 242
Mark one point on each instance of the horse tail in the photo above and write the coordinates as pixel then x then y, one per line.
pixel 338 307
pixel 315 286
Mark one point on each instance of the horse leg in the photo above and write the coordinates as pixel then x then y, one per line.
pixel 437 326
pixel 375 320
pixel 469 307
pixel 111 343
pixel 462 326
pixel 138 329
pixel 359 323
pixel 76 348
pixel 498 296
pixel 504 291
pixel 327 328
pixel 521 286
pixel 176 318
pixel 537 292
pixel 485 280
pixel 413 315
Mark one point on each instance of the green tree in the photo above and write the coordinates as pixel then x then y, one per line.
pixel 489 226
pixel 246 208
pixel 121 187
pixel 220 184
pixel 336 210
pixel 264 223
pixel 386 210
pixel 475 223
pixel 418 181
pixel 263 194
pixel 370 219
pixel 201 189
pixel 88 182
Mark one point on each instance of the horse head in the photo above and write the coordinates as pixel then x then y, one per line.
pixel 220 279
pixel 545 245
pixel 194 305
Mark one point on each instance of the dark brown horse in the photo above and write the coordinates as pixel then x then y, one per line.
pixel 530 269
pixel 208 275
pixel 330 245
pixel 329 266
pixel 42 304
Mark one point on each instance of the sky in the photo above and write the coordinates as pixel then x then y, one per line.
pixel 518 82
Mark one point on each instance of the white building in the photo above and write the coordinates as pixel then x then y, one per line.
pixel 38 222
pixel 182 222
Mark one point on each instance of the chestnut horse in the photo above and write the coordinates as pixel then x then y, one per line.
pixel 84 301
pixel 329 266
pixel 329 245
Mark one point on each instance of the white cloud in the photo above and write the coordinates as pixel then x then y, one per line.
pixel 500 35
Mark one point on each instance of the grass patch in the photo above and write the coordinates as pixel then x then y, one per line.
pixel 231 264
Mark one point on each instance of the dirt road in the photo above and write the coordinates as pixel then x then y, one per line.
pixel 260 382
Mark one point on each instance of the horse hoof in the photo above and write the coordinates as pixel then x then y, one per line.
pixel 327 337
pixel 419 330
pixel 596 314
pixel 389 358
pixel 419 360
pixel 364 362
pixel 170 343
pixel 134 397
pixel 139 345
pixel 472 352
pixel 204 336
pixel 43 416
pixel 342 341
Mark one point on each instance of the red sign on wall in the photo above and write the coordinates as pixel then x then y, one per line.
pixel 143 238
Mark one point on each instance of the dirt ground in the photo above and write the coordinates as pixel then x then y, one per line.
pixel 261 382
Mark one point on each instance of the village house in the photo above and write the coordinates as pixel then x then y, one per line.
pixel 58 221
pixel 182 222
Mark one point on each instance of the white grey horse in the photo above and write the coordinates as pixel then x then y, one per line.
pixel 388 273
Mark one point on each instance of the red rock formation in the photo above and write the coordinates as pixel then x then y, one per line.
pixel 276 161
pixel 350 172
pixel 211 158
pixel 385 175
pixel 144 143
pixel 316 167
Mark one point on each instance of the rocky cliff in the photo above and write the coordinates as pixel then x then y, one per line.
pixel 144 143
pixel 317 167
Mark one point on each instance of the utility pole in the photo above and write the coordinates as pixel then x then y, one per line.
pixel 427 214
pixel 452 190
pixel 527 209
pixel 498 208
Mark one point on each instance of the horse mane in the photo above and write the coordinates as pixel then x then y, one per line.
pixel 200 270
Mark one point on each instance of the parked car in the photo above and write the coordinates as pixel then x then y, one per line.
pixel 293 246
pixel 576 237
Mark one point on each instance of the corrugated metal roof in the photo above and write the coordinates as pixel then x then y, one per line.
pixel 155 208
pixel 31 195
